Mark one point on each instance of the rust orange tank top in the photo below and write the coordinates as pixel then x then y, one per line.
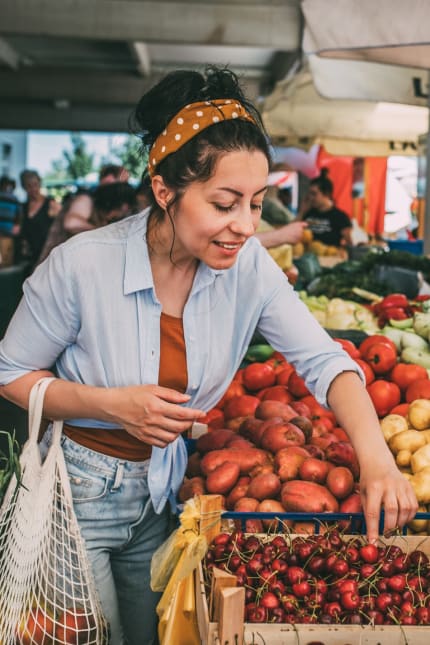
pixel 172 373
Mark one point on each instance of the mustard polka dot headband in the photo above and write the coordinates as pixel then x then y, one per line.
pixel 191 120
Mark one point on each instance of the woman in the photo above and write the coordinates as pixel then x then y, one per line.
pixel 151 342
pixel 328 224
pixel 38 214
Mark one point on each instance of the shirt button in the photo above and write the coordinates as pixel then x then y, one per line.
pixel 77 480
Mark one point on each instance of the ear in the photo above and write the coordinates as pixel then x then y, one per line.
pixel 161 192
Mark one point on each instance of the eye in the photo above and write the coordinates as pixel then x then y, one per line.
pixel 224 209
pixel 257 207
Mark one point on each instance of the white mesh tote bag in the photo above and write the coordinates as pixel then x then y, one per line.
pixel 47 592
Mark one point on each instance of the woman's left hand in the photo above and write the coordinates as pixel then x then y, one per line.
pixel 384 486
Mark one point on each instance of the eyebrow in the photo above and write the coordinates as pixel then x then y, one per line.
pixel 238 193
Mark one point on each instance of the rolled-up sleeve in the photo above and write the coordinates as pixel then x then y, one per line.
pixel 45 322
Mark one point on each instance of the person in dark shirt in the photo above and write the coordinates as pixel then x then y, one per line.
pixel 328 224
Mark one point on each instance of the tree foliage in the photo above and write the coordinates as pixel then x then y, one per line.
pixel 132 157
pixel 78 162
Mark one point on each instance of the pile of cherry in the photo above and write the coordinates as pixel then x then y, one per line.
pixel 324 578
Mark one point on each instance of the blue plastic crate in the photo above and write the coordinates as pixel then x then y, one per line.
pixel 416 247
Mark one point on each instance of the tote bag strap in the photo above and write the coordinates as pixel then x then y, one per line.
pixel 35 411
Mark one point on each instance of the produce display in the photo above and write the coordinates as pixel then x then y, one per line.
pixel 374 272
pixel 327 578
pixel 272 448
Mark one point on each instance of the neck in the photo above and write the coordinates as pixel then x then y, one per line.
pixel 162 248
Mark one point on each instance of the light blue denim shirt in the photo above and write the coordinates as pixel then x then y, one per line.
pixel 91 312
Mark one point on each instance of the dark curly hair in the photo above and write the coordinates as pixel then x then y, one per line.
pixel 195 160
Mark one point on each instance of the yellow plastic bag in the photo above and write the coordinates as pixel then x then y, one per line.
pixel 172 572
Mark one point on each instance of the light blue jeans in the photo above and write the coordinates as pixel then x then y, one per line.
pixel 121 532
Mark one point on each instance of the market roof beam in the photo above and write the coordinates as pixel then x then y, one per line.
pixel 274 23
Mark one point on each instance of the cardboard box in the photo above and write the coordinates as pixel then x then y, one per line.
pixel 336 634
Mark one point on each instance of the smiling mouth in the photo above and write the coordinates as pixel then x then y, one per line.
pixel 229 247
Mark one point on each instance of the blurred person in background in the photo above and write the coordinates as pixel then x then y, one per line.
pixel 10 220
pixel 39 212
pixel 77 216
pixel 110 203
pixel 328 224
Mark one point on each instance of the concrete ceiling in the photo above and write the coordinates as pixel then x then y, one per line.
pixel 83 64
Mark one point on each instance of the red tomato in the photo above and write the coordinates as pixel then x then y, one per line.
pixel 348 346
pixel 239 376
pixel 277 393
pixel 283 375
pixel 384 395
pixel 375 338
pixel 367 369
pixel 394 300
pixel 419 389
pixel 401 409
pixel 234 389
pixel 240 406
pixel 258 375
pixel 381 357
pixel 296 385
pixel 404 374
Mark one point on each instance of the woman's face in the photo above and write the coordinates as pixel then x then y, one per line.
pixel 213 219
pixel 32 187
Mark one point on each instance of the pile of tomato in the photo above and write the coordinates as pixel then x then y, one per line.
pixel 391 385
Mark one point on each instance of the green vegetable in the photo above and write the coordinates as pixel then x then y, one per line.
pixel 259 353
pixel 9 464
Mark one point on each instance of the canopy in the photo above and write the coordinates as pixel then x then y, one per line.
pixel 385 31
pixel 296 115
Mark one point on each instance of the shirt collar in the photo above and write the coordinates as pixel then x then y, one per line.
pixel 138 273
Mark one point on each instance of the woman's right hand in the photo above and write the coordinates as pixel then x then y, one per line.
pixel 151 413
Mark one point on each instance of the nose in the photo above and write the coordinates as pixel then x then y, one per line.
pixel 245 223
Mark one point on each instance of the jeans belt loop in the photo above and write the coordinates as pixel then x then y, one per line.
pixel 119 475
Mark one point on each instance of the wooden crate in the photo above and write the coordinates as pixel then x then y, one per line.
pixel 286 634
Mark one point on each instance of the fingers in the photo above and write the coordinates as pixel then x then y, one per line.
pixel 399 504
pixel 371 507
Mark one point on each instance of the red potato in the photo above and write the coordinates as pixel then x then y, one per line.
pixel 234 424
pixel 307 497
pixel 269 467
pixel 314 470
pixel 324 440
pixel 240 406
pixel 239 443
pixel 246 505
pixel 341 453
pixel 281 435
pixel 264 486
pixel 250 429
pixel 214 440
pixel 193 466
pixel 351 504
pixel 288 461
pixel 302 409
pixel 314 451
pixel 271 409
pixel 237 492
pixel 222 479
pixel 246 459
pixel 305 426
pixel 191 487
pixel 273 506
pixel 340 482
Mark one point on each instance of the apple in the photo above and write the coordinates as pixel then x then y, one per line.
pixel 75 627
pixel 36 627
